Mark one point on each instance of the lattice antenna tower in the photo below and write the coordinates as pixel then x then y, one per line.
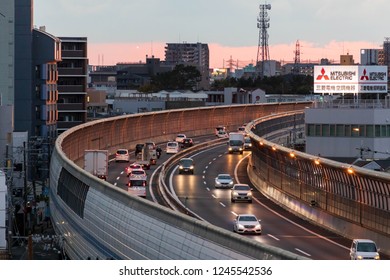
pixel 297 58
pixel 262 48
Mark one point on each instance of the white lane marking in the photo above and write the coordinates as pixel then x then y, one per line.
pixel 203 177
pixel 235 214
pixel 223 205
pixel 122 172
pixel 283 217
pixel 270 235
pixel 204 171
pixel 117 178
pixel 204 183
pixel 303 252
pixel 213 195
pixel 220 155
pixel 115 184
pixel 214 158
pixel 206 166
pixel 208 189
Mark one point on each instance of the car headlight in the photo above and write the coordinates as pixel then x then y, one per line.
pixel 235 193
pixel 240 149
pixel 359 257
pixel 230 149
pixel 249 194
pixel 217 183
pixel 258 227
pixel 377 257
pixel 240 226
pixel 180 167
pixel 230 183
pixel 191 167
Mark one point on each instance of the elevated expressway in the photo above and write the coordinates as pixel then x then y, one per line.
pixel 101 221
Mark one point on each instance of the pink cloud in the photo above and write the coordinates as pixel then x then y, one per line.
pixel 223 56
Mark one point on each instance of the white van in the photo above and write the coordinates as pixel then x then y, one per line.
pixel 364 249
pixel 172 147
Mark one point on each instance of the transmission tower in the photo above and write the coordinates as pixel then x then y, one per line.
pixel 262 48
pixel 297 58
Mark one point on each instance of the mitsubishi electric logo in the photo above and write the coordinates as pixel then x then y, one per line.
pixel 319 77
pixel 373 76
pixel 364 76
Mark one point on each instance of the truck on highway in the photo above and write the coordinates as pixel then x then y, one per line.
pixel 148 156
pixel 96 163
pixel 236 142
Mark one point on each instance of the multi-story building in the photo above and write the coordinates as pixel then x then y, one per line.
pixel 133 75
pixel 35 75
pixel 72 83
pixel 369 56
pixel 7 13
pixel 46 55
pixel 194 54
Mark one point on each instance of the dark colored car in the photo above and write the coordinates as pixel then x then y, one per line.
pixel 186 165
pixel 187 142
pixel 138 149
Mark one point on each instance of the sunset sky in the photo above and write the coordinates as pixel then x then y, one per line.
pixel 129 30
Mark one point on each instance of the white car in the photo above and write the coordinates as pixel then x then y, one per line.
pixel 172 147
pixel 364 249
pixel 223 181
pixel 139 174
pixel 180 138
pixel 241 192
pixel 247 143
pixel 222 134
pixel 247 223
pixel 122 155
pixel 131 167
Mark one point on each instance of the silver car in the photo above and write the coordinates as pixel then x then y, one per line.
pixel 247 223
pixel 223 181
pixel 241 192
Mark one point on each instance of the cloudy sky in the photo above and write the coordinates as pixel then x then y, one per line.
pixel 128 30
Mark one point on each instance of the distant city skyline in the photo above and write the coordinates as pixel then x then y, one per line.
pixel 128 31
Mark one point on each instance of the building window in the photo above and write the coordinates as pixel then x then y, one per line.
pixel 340 130
pixel 332 130
pixel 325 130
pixel 369 131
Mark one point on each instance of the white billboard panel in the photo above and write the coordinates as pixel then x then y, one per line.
pixel 350 79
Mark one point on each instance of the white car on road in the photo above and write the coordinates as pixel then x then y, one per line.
pixel 247 223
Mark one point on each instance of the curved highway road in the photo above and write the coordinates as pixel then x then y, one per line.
pixel 280 228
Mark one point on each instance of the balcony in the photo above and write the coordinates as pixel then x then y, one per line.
pixel 71 72
pixel 71 107
pixel 73 53
pixel 70 88
pixel 66 125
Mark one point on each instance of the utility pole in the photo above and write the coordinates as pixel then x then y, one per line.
pixel 24 189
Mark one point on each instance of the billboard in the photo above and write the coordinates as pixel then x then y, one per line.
pixel 350 79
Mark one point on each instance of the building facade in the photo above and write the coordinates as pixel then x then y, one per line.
pixel 193 54
pixel 72 83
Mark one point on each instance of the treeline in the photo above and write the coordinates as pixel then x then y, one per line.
pixel 287 84
pixel 187 77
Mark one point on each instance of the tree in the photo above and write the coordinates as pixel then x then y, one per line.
pixel 180 78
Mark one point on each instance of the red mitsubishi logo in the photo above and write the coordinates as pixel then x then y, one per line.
pixel 364 77
pixel 319 77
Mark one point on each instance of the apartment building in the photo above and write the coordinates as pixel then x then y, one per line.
pixel 72 83
pixel 194 54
